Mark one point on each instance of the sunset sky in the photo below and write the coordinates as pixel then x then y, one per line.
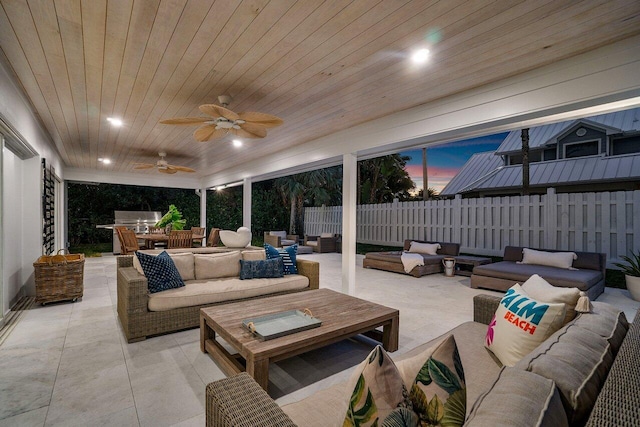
pixel 445 160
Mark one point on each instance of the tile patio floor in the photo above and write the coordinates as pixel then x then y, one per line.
pixel 69 364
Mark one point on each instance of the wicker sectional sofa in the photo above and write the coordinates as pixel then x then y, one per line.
pixel 547 388
pixel 390 261
pixel 588 275
pixel 139 321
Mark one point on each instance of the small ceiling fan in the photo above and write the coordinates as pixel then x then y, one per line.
pixel 223 121
pixel 163 166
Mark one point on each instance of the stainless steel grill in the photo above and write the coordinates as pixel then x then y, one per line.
pixel 138 221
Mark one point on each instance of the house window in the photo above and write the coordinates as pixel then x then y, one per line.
pixel 626 145
pixel 550 154
pixel 581 149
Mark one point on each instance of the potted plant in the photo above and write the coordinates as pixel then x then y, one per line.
pixel 173 217
pixel 631 273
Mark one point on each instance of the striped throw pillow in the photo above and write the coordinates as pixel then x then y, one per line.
pixel 287 254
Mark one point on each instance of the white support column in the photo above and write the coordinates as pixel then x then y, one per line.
pixel 203 212
pixel 246 203
pixel 349 198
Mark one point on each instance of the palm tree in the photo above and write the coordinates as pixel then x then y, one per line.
pixel 317 187
pixel 384 178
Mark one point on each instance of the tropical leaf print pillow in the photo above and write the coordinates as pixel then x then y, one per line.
pixel 379 396
pixel 438 394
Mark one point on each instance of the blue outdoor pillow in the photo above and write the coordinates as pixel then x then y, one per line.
pixel 160 271
pixel 261 269
pixel 287 254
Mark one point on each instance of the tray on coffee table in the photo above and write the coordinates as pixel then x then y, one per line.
pixel 280 324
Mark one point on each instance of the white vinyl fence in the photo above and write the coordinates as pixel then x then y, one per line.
pixel 606 222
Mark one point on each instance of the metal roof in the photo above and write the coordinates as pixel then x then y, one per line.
pixel 619 121
pixel 477 167
pixel 582 170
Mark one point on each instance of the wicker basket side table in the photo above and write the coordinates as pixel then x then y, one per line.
pixel 59 277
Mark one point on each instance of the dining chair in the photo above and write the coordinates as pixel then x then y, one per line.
pixel 214 237
pixel 157 230
pixel 200 231
pixel 180 239
pixel 118 229
pixel 129 242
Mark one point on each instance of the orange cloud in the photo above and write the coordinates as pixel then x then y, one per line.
pixel 415 171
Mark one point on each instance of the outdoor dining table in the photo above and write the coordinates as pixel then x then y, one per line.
pixel 150 240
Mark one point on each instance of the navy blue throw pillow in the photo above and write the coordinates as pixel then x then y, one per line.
pixel 160 271
pixel 287 254
pixel 261 269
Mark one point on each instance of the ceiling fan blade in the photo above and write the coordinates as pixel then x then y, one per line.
pixel 167 170
pixel 181 168
pixel 143 165
pixel 218 111
pixel 262 119
pixel 185 120
pixel 207 132
pixel 250 130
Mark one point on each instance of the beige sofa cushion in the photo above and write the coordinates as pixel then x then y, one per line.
pixel 199 292
pixel 213 266
pixel 578 361
pixel 518 398
pixel 322 409
pixel 606 321
pixel 184 264
pixel 254 255
pixel 182 260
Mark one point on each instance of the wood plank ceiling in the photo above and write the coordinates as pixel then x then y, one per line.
pixel 322 66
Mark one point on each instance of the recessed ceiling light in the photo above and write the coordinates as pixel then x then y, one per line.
pixel 104 161
pixel 420 56
pixel 114 122
pixel 237 143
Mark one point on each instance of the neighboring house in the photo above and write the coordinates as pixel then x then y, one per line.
pixel 599 153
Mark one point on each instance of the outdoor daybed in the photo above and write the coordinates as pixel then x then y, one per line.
pixel 391 261
pixel 587 273
pixel 143 314
pixel 588 371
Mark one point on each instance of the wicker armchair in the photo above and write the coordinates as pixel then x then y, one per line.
pixel 323 243
pixel 278 239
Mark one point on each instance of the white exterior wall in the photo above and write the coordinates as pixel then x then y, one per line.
pixel 21 193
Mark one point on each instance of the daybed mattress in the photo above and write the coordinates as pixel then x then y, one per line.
pixel 509 270
pixel 200 292
pixel 395 257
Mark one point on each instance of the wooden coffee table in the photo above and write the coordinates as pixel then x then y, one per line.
pixel 342 316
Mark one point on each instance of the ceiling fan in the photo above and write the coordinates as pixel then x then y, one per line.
pixel 163 166
pixel 223 121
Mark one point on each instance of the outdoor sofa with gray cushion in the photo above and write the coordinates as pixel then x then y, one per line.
pixel 588 276
pixel 143 314
pixel 586 372
pixel 278 239
pixel 390 261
